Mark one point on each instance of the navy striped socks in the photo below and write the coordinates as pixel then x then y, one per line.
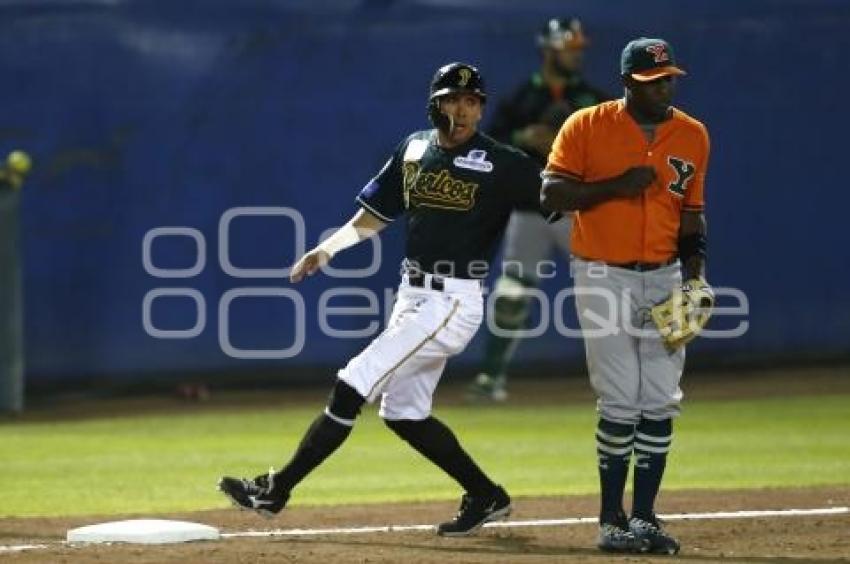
pixel 652 443
pixel 614 450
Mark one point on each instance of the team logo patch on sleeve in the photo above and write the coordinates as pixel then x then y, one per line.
pixel 475 160
pixel 684 172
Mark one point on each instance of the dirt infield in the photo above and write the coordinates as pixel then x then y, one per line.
pixel 754 540
pixel 784 539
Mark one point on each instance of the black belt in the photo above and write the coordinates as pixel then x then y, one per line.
pixel 643 266
pixel 418 279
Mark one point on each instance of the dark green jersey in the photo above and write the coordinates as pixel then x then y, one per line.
pixel 457 201
pixel 536 102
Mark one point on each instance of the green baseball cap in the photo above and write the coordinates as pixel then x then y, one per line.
pixel 646 59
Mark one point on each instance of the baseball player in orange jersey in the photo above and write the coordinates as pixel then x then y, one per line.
pixel 633 171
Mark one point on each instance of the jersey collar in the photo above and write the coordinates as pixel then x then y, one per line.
pixel 675 114
pixel 458 149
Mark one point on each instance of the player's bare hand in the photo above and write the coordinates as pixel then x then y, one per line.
pixel 636 179
pixel 308 265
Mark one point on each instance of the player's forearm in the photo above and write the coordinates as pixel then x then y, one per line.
pixel 566 194
pixel 361 226
pixel 694 268
pixel 692 245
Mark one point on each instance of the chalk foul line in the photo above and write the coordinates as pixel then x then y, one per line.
pixel 538 523
pixel 498 524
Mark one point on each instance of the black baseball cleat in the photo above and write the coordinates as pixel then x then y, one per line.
pixel 475 511
pixel 615 536
pixel 651 531
pixel 258 495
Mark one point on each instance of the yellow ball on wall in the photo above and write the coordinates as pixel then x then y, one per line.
pixel 19 161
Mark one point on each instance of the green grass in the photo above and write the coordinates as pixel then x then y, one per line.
pixel 165 463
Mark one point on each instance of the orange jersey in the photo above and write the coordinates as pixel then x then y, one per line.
pixel 602 142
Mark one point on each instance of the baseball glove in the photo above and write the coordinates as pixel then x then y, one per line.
pixel 682 316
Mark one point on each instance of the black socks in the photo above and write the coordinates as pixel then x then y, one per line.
pixel 324 436
pixel 436 442
pixel 431 438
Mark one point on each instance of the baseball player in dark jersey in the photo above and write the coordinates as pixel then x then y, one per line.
pixel 529 120
pixel 457 188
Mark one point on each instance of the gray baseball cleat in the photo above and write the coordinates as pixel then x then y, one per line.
pixel 651 530
pixel 258 495
pixel 616 537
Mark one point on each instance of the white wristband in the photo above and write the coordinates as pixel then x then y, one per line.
pixel 344 237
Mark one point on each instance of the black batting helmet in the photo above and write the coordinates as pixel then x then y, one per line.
pixel 449 79
pixel 560 33
pixel 457 77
